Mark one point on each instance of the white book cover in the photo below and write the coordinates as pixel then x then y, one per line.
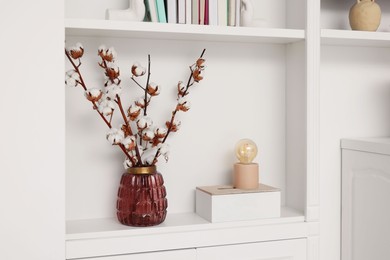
pixel 232 13
pixel 213 12
pixel 195 11
pixel 153 10
pixel 188 11
pixel 201 11
pixel 181 11
pixel 222 12
pixel 172 11
pixel 238 12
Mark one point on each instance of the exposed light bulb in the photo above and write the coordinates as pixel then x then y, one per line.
pixel 246 151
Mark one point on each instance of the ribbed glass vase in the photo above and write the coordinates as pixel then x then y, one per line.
pixel 142 197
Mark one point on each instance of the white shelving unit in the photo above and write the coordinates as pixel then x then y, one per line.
pixel 354 101
pixel 270 70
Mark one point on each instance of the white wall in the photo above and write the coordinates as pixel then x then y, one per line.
pixel 32 130
pixel 355 102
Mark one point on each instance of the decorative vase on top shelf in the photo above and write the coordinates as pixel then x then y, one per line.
pixel 141 195
pixel 365 15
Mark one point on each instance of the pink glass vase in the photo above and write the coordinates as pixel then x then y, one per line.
pixel 142 197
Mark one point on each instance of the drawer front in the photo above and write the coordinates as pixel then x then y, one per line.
pixel 187 254
pixel 294 249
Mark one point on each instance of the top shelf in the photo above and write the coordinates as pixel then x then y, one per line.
pixel 107 28
pixel 355 38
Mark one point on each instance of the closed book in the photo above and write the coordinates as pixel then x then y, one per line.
pixel 232 12
pixel 151 6
pixel 195 12
pixel 171 7
pixel 188 11
pixel 213 12
pixel 222 12
pixel 206 12
pixel 238 12
pixel 161 11
pixel 201 11
pixel 181 11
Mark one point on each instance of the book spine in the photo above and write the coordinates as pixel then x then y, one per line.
pixel 188 11
pixel 213 12
pixel 238 12
pixel 201 11
pixel 206 12
pixel 195 12
pixel 152 10
pixel 232 13
pixel 161 11
pixel 222 12
pixel 172 11
pixel 181 11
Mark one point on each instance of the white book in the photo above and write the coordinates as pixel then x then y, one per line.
pixel 238 12
pixel 153 10
pixel 213 12
pixel 232 13
pixel 181 11
pixel 172 11
pixel 222 12
pixel 195 12
pixel 188 11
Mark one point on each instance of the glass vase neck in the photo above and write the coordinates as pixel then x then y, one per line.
pixel 142 170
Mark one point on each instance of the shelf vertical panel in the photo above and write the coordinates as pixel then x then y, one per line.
pixel 313 45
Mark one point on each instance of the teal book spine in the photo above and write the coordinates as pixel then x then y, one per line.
pixel 161 11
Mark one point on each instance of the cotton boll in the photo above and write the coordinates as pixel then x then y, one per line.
pixel 115 136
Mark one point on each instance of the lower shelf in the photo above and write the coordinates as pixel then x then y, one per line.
pixel 101 237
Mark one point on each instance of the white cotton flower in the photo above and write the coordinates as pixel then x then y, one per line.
pixel 183 104
pixel 181 87
pixel 111 51
pixel 113 66
pixel 140 102
pixel 71 82
pixel 153 89
pixel 148 155
pixel 115 136
pixel 133 112
pixel 160 132
pixel 127 164
pixel 93 94
pixel 113 90
pixel 137 70
pixel 144 122
pixel 164 149
pixel 129 142
pixel 148 135
pixel 106 106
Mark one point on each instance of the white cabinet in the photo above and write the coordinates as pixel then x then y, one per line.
pixel 281 250
pixel 365 199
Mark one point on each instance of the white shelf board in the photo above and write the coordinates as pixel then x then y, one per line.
pixel 183 222
pixel 107 28
pixel 107 237
pixel 355 38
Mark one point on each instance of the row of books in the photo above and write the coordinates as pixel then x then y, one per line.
pixel 206 12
